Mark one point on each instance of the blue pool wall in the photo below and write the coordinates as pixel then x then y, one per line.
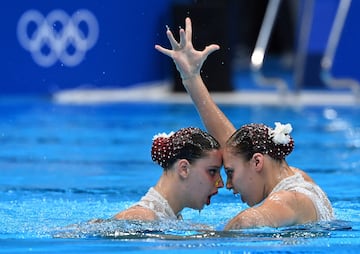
pixel 124 54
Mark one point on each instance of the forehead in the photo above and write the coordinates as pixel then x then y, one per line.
pixel 230 158
pixel 228 152
pixel 212 157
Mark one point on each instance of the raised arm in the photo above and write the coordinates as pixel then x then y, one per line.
pixel 189 62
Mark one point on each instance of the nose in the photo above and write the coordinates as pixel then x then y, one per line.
pixel 229 185
pixel 219 182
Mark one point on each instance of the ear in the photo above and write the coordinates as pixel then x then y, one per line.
pixel 183 168
pixel 258 161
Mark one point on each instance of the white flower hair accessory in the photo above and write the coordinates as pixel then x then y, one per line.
pixel 163 135
pixel 280 135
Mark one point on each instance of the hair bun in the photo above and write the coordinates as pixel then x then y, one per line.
pixel 187 143
pixel 161 150
pixel 253 138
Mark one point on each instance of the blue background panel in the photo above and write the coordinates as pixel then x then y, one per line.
pixel 123 55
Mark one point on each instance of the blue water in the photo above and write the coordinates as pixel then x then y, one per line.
pixel 62 165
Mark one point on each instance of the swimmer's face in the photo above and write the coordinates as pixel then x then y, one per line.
pixel 242 177
pixel 204 179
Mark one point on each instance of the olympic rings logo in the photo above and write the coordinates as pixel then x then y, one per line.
pixel 57 37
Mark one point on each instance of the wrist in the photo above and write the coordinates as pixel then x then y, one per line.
pixel 189 77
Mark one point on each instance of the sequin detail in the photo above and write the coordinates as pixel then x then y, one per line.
pixel 321 202
pixel 259 137
pixel 155 202
pixel 166 148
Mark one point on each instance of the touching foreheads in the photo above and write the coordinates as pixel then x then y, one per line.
pixel 187 143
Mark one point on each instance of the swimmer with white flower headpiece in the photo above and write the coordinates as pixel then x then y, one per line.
pixel 191 161
pixel 253 156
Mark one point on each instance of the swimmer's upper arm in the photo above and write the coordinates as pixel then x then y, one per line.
pixel 280 209
pixel 136 213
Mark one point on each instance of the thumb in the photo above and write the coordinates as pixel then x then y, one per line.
pixel 210 49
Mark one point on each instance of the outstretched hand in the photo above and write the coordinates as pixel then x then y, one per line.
pixel 188 61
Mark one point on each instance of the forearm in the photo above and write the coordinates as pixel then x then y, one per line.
pixel 188 62
pixel 215 121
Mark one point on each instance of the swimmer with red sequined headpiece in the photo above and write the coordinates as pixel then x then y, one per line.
pixel 254 155
pixel 191 162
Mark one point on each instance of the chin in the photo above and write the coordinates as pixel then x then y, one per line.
pixel 198 207
pixel 250 204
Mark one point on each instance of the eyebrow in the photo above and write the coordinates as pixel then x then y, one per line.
pixel 215 167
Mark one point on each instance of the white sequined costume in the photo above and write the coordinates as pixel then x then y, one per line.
pixel 157 203
pixel 311 190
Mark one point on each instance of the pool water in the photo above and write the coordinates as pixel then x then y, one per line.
pixel 63 165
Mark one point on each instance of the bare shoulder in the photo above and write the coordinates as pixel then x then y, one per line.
pixel 283 208
pixel 136 213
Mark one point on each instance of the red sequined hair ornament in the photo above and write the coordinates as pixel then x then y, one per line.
pixel 260 138
pixel 167 147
